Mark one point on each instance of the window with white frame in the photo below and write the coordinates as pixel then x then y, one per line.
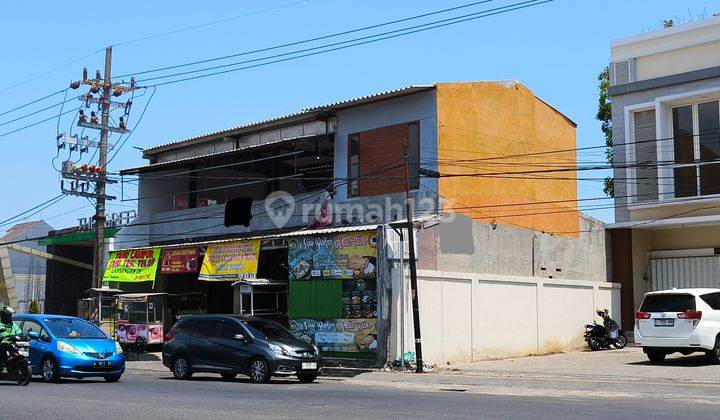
pixel 696 147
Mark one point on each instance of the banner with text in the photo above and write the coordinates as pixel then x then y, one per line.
pixel 132 265
pixel 180 260
pixel 230 261
pixel 338 335
pixel 345 255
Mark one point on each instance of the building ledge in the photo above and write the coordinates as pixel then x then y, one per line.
pixel 667 223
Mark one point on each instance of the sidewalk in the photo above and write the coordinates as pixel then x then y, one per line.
pixel 607 374
pixel 149 362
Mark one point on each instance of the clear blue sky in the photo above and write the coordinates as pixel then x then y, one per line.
pixel 556 49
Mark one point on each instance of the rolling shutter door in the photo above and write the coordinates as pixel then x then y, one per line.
pixel 685 272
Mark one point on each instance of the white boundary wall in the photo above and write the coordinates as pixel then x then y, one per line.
pixel 467 317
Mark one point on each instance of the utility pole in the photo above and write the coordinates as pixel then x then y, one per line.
pixel 102 162
pixel 82 177
pixel 413 266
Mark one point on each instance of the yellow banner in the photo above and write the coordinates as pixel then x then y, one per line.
pixel 230 261
pixel 132 265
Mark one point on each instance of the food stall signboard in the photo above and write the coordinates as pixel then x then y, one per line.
pixel 345 255
pixel 230 261
pixel 132 265
pixel 180 260
pixel 338 335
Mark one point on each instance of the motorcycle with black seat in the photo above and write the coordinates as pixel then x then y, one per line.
pixel 603 336
pixel 14 364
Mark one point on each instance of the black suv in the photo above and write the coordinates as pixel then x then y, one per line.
pixel 230 344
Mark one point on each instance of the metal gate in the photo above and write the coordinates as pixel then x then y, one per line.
pixel 685 272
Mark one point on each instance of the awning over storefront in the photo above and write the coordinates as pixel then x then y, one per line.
pixel 73 237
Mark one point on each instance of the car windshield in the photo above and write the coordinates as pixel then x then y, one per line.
pixel 73 328
pixel 668 303
pixel 267 330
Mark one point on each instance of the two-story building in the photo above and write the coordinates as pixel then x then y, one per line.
pixel 665 89
pixel 507 264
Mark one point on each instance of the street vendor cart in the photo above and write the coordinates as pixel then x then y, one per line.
pixel 140 319
pixel 100 308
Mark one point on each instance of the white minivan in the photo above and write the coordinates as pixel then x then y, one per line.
pixel 679 320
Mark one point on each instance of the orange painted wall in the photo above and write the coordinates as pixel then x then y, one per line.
pixel 487 120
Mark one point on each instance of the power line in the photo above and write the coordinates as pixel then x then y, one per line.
pixel 37 123
pixel 33 102
pixel 118 147
pixel 203 25
pixel 305 41
pixel 48 72
pixel 507 9
pixel 45 205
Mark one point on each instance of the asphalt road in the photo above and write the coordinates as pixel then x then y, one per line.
pixel 157 395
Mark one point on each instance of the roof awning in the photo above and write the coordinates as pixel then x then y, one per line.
pixel 674 222
pixel 227 153
pixel 75 237
pixel 261 282
pixel 303 232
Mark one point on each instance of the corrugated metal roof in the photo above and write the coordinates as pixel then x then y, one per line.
pixel 268 236
pixel 215 154
pixel 306 111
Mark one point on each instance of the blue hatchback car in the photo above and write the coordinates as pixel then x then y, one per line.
pixel 66 346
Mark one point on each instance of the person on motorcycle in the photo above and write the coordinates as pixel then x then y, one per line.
pixel 8 329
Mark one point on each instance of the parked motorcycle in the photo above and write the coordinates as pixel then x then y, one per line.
pixel 16 361
pixel 603 336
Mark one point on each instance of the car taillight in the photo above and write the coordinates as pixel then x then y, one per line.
pixel 691 314
pixel 642 315
pixel 168 336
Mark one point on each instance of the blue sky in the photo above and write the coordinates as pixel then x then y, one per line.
pixel 556 49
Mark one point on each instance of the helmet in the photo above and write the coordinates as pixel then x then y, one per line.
pixel 602 311
pixel 6 314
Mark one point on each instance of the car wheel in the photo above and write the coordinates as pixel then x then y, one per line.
pixel 307 378
pixel 655 356
pixel 713 355
pixel 259 370
pixel 228 376
pixel 621 341
pixel 50 370
pixel 113 378
pixel 181 368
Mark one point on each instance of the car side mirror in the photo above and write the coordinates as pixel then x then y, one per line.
pixel 239 337
pixel 34 335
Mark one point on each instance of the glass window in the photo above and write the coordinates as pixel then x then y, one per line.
pixel 205 328
pixel 32 326
pixel 696 133
pixel 73 328
pixel 183 327
pixel 684 148
pixel 646 155
pixel 229 329
pixel 354 165
pixel 709 134
pixel 683 134
pixel 712 299
pixel 668 303
pixel 267 330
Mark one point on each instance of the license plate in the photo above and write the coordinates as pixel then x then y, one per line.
pixel 664 322
pixel 102 364
pixel 309 365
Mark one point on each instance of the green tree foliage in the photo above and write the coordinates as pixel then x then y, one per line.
pixel 34 308
pixel 604 115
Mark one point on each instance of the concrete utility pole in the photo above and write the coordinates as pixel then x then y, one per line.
pixel 89 181
pixel 102 162
pixel 413 266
